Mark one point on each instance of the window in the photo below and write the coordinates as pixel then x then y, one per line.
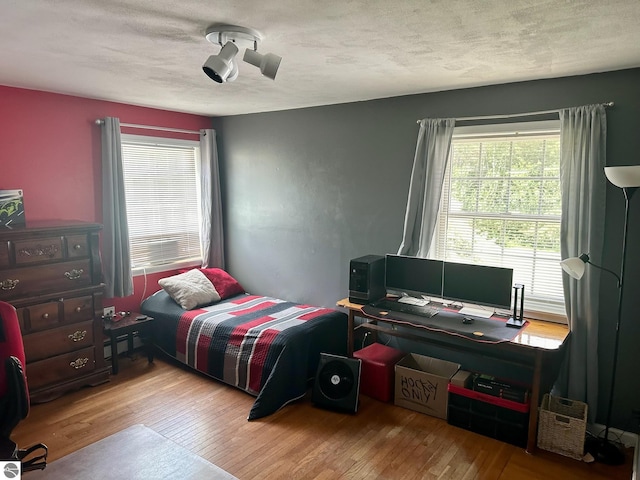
pixel 162 191
pixel 501 206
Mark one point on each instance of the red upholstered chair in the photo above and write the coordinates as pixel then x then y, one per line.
pixel 14 393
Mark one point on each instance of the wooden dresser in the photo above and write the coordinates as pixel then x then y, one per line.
pixel 51 272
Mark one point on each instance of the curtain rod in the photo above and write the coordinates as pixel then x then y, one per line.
pixel 149 127
pixel 513 115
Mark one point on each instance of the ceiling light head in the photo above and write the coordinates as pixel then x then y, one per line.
pixel 268 63
pixel 222 68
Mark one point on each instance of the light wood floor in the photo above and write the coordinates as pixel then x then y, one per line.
pixel 300 441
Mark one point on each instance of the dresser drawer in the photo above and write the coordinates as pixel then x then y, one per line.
pixel 78 309
pixel 59 368
pixel 40 250
pixel 49 343
pixel 77 246
pixel 39 317
pixel 31 281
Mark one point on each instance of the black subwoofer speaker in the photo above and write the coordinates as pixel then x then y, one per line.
pixel 337 383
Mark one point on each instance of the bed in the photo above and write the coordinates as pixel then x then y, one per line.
pixel 267 347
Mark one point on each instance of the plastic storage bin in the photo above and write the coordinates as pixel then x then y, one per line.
pixel 488 415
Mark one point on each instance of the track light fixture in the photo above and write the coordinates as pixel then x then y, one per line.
pixel 223 67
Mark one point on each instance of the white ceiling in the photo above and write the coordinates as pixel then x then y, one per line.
pixel 150 52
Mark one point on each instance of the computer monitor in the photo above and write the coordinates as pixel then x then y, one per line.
pixel 478 284
pixel 413 276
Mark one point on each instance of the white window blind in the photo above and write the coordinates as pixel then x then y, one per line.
pixel 501 206
pixel 161 186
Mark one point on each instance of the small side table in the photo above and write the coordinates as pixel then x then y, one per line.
pixel 128 326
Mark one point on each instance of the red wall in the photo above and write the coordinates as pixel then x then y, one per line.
pixel 50 148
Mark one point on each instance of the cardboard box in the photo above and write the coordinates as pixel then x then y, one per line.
pixel 421 384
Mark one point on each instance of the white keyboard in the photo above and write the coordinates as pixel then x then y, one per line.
pixel 475 312
pixel 420 302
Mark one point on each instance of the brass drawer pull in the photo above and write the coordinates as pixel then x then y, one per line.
pixel 74 274
pixel 39 251
pixel 78 335
pixel 79 363
pixel 45 316
pixel 9 284
pixel 77 246
pixel 78 309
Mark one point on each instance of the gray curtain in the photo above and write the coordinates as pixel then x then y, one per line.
pixel 116 262
pixel 583 158
pixel 211 229
pixel 425 189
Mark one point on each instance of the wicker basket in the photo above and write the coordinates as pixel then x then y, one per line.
pixel 562 426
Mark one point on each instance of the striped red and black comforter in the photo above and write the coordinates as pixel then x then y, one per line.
pixel 267 347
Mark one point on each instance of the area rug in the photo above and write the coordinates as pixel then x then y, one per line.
pixel 136 453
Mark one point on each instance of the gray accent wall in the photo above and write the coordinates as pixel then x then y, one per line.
pixel 307 190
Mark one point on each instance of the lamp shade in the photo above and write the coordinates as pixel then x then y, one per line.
pixel 624 177
pixel 574 266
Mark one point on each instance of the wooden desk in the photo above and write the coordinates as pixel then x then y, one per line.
pixel 532 347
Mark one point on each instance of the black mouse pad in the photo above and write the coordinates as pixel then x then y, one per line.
pixel 490 330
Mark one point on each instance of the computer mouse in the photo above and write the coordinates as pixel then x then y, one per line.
pixel 467 320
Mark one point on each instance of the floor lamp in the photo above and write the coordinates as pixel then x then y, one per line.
pixel 628 179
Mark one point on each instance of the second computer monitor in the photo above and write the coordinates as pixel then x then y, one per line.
pixel 413 276
pixel 478 284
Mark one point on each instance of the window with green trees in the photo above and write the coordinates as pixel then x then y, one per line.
pixel 501 206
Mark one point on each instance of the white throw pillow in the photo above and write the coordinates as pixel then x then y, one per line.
pixel 190 289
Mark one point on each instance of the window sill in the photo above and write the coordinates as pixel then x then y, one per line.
pixel 137 271
pixel 546 316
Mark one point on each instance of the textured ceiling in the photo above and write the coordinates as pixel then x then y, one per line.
pixel 150 52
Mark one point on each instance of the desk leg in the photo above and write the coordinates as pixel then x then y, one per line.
pixel 535 402
pixel 130 344
pixel 150 339
pixel 350 327
pixel 114 353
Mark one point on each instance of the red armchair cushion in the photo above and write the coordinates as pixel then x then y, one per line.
pixel 10 341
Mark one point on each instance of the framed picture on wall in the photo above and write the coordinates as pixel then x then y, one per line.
pixel 11 208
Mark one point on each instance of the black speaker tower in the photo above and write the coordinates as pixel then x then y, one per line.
pixel 366 279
